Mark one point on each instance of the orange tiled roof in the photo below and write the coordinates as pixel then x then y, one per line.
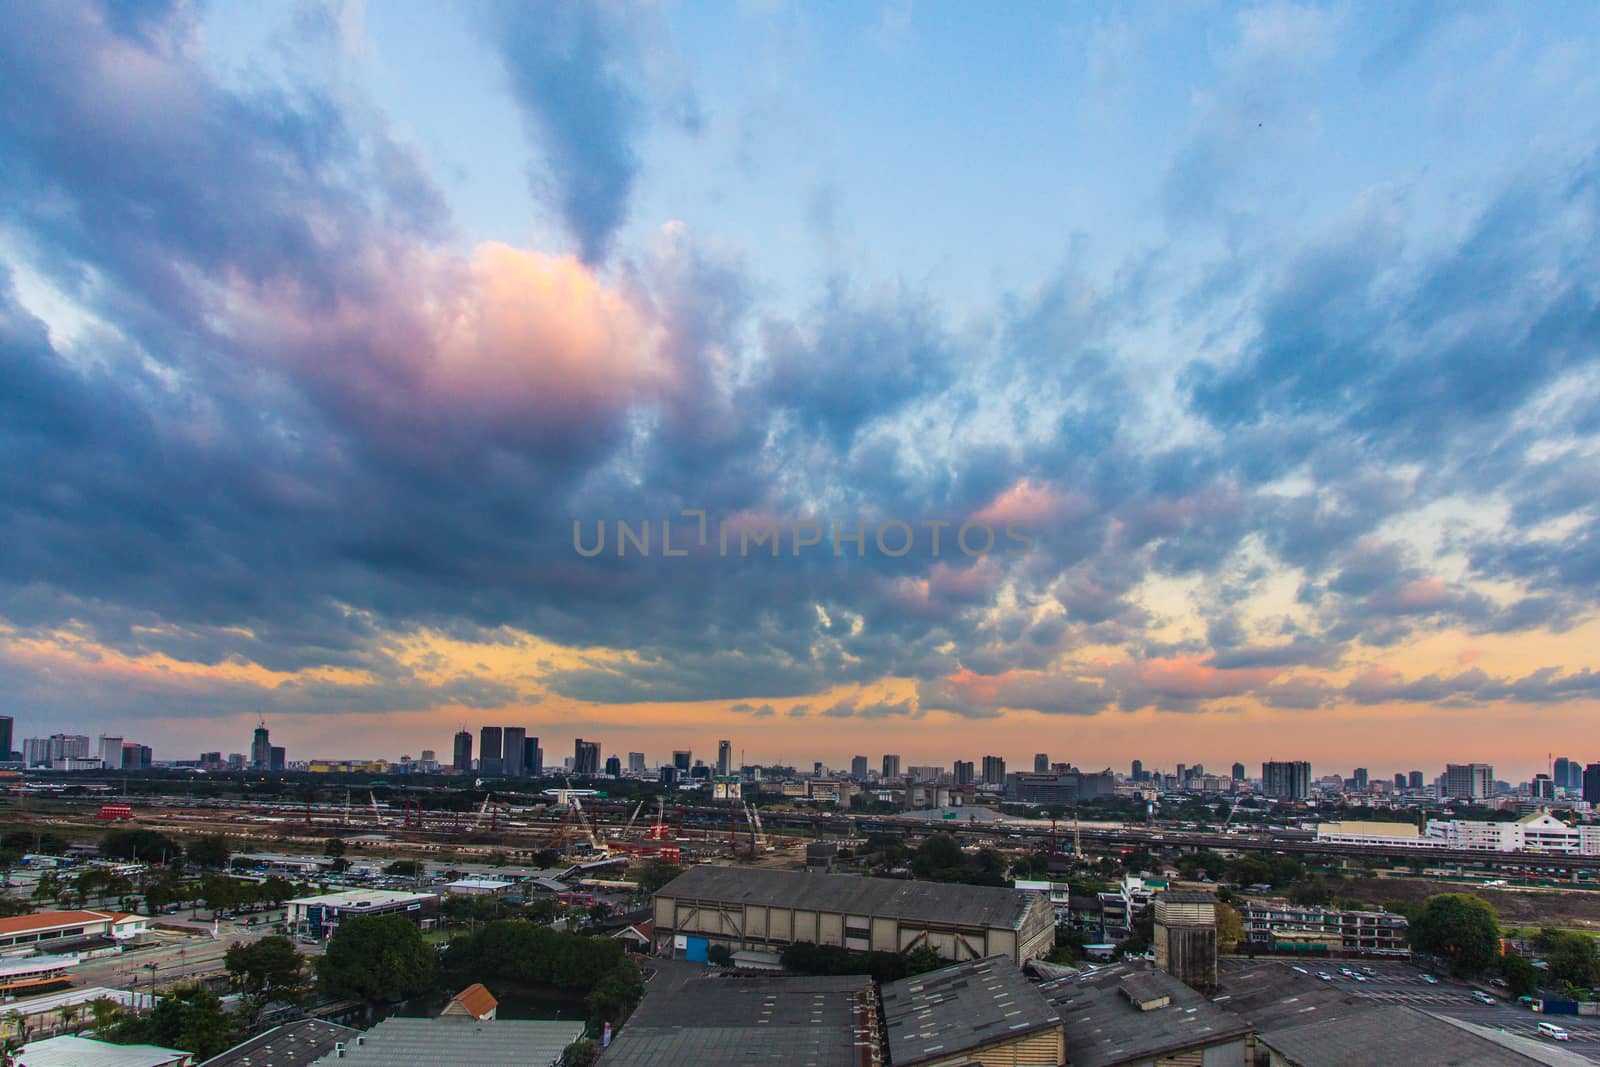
pixel 476 999
pixel 47 920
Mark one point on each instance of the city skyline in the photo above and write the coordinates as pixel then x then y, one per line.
pixel 1271 327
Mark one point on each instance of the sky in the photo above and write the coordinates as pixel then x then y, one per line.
pixel 1262 338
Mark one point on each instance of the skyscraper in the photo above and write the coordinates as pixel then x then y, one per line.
pixel 994 770
pixel 462 759
pixel 1591 783
pixel 1238 772
pixel 586 757
pixel 1287 780
pixel 491 751
pixel 964 772
pixel 1136 771
pixel 636 763
pixel 1415 781
pixel 6 726
pixel 1359 778
pixel 891 766
pixel 724 758
pixel 1041 763
pixel 261 749
pixel 682 759
pixel 532 758
pixel 513 751
pixel 1468 781
pixel 277 758
pixel 614 766
pixel 1399 779
pixel 111 752
pixel 858 768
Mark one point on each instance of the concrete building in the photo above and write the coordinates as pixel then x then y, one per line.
pixel 585 757
pixel 636 763
pixel 964 773
pixel 1059 787
pixel 260 749
pixel 1186 937
pixel 491 750
pixel 514 751
pixel 1468 781
pixel 1286 779
pixel 979 1012
pixel 858 768
pixel 1278 925
pixel 829 1021
pixel 461 758
pixel 759 908
pixel 725 758
pixel 478 887
pixel 1041 763
pixel 1127 1015
pixel 319 916
pixel 994 770
pixel 891 767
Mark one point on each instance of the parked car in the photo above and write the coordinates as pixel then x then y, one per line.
pixel 1430 979
pixel 1483 998
pixel 1325 976
pixel 1554 1032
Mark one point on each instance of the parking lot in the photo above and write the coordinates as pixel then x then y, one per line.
pixel 1402 983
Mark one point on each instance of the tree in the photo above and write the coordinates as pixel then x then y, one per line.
pixel 1522 977
pixel 1571 957
pixel 1230 928
pixel 143 845
pixel 404 868
pixel 616 994
pixel 580 1054
pixel 721 955
pixel 269 967
pixel 334 847
pixel 190 1018
pixel 1462 930
pixel 211 851
pixel 376 958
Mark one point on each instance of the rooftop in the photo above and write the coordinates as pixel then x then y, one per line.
pixel 967 1006
pixel 399 1042
pixel 1101 1012
pixel 86 1052
pixel 49 920
pixel 941 902
pixel 359 898
pixel 1393 1033
pixel 476 999
pixel 294 1044
pixel 810 1020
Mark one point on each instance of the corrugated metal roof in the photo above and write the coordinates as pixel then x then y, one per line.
pixel 850 894
pixel 967 1006
pixel 455 1043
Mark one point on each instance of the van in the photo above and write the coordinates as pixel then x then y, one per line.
pixel 1484 998
pixel 1554 1032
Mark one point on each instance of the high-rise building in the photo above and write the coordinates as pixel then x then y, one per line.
pixel 136 757
pixel 513 751
pixel 1591 783
pixel 461 759
pixel 636 763
pixel 1041 763
pixel 1468 781
pixel 211 759
pixel 614 766
pixel 111 752
pixel 682 760
pixel 858 768
pixel 994 770
pixel 724 758
pixel 491 750
pixel 1287 780
pixel 1415 781
pixel 1399 779
pixel 1238 772
pixel 1543 787
pixel 965 772
pixel 891 767
pixel 532 757
pixel 277 758
pixel 1568 773
pixel 62 747
pixel 260 749
pixel 586 757
pixel 1358 779
pixel 1136 772
pixel 6 726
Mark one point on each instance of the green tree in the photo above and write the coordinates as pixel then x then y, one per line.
pixel 581 1054
pixel 190 1018
pixel 376 958
pixel 269 967
pixel 1570 956
pixel 333 847
pixel 721 955
pixel 1230 928
pixel 1522 977
pixel 145 846
pixel 616 994
pixel 1462 930
pixel 211 851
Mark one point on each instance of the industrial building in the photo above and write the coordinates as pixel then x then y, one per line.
pixel 752 908
pixel 982 1012
pixel 1058 787
pixel 829 1021
pixel 319 916
pixel 1127 1014
pixel 449 1042
pixel 1186 937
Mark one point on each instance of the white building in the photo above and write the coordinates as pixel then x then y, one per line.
pixel 1539 832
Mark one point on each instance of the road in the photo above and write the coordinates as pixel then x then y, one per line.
pixel 170 957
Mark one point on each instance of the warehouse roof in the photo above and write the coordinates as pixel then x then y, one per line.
pixel 934 902
pixel 968 1006
pixel 1105 1024
pixel 819 1021
pixel 1391 1034
pixel 294 1044
pixel 397 1042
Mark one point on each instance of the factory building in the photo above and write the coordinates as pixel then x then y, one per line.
pixel 980 1012
pixel 752 909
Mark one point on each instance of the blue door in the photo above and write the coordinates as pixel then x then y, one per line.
pixel 695 950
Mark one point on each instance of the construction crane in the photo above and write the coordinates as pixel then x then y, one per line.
pixel 588 831
pixel 755 824
pixel 629 828
pixel 377 816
